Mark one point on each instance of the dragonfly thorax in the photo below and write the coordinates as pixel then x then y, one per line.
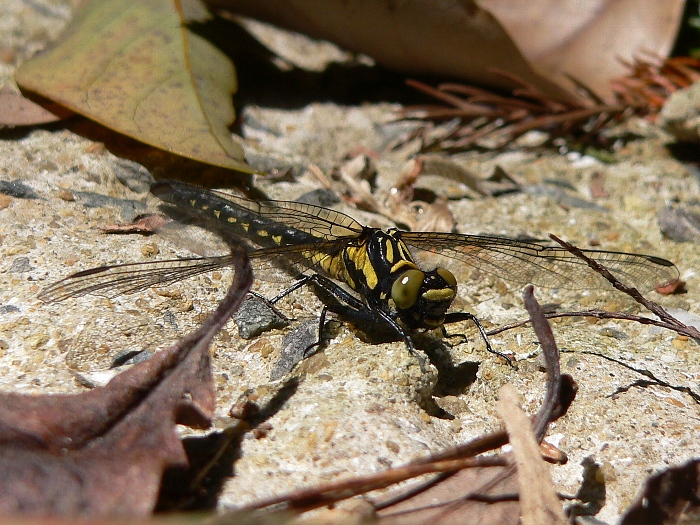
pixel 382 269
pixel 422 298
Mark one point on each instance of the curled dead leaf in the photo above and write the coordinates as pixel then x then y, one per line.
pixel 104 451
pixel 541 42
pixel 17 110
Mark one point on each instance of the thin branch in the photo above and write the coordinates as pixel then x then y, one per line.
pixel 689 331
pixel 653 307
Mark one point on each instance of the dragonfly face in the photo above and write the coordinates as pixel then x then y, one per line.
pixel 422 298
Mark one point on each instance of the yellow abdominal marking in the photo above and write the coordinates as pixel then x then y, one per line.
pixel 263 233
pixel 403 251
pixel 277 239
pixel 358 255
pixel 370 275
pixel 217 213
pixel 320 258
pixel 232 220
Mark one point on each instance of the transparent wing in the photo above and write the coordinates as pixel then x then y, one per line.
pixel 539 264
pixel 315 220
pixel 308 235
pixel 115 280
pixel 332 229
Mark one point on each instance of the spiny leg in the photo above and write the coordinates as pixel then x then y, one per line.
pixel 456 317
pixel 351 308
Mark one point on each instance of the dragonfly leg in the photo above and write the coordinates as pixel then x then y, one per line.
pixel 348 306
pixel 456 317
pixel 355 310
pixel 298 284
pixel 321 324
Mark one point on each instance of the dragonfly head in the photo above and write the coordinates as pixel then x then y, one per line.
pixel 423 298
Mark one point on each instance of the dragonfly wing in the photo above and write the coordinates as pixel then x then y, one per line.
pixel 297 258
pixel 320 222
pixel 539 264
pixel 115 280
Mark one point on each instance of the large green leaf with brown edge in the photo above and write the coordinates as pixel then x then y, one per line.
pixel 135 67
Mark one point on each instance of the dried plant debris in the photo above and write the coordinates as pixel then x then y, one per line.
pixel 651 80
pixel 104 451
pixel 182 101
pixel 472 116
pixel 538 499
pixel 145 224
pixel 669 497
pixel 664 318
pixel 477 117
pixel 20 111
pixel 213 456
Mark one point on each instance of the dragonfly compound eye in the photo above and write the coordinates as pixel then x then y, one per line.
pixel 406 288
pixel 448 277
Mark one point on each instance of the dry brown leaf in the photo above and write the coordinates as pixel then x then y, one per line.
pixel 422 36
pixel 104 451
pixel 16 110
pixel 146 224
pixel 588 40
pixel 448 502
pixel 134 67
pixel 668 497
pixel 540 41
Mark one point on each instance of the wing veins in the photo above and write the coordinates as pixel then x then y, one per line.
pixel 547 266
pixel 133 277
pixel 315 220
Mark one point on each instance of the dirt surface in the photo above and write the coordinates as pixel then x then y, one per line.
pixel 359 407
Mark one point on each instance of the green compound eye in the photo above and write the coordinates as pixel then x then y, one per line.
pixel 406 288
pixel 448 276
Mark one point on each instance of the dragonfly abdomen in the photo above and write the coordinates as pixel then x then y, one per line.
pixel 244 220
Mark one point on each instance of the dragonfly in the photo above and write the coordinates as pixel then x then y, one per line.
pixel 374 276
